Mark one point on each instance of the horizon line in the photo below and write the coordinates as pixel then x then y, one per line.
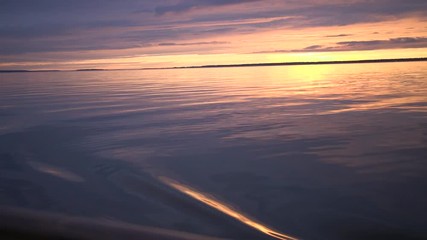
pixel 421 59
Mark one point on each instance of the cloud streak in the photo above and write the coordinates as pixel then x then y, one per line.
pixel 184 6
pixel 393 43
pixel 192 43
pixel 338 35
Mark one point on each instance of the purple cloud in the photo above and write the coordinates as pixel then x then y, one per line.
pixel 191 43
pixel 392 43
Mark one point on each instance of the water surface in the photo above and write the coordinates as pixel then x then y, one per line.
pixel 311 152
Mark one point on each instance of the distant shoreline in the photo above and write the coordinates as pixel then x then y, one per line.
pixel 236 65
pixel 309 63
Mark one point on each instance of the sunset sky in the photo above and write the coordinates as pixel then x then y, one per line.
pixel 65 34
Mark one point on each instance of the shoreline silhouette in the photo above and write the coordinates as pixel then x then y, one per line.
pixel 234 65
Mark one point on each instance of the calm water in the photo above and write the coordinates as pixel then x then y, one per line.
pixel 313 152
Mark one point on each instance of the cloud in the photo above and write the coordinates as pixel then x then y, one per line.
pixel 313 47
pixel 338 35
pixel 392 43
pixel 192 43
pixel 184 6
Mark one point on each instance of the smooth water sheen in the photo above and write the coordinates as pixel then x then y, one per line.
pixel 307 152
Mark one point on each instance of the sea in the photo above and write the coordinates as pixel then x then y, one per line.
pixel 326 152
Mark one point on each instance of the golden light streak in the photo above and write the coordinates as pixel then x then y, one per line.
pixel 225 209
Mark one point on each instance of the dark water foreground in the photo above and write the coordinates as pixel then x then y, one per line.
pixel 306 152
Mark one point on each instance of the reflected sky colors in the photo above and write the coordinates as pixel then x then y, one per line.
pixel 314 152
pixel 58 34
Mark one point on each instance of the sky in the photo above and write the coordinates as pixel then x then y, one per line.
pixel 65 35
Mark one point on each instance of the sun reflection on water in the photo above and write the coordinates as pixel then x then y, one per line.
pixel 222 207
